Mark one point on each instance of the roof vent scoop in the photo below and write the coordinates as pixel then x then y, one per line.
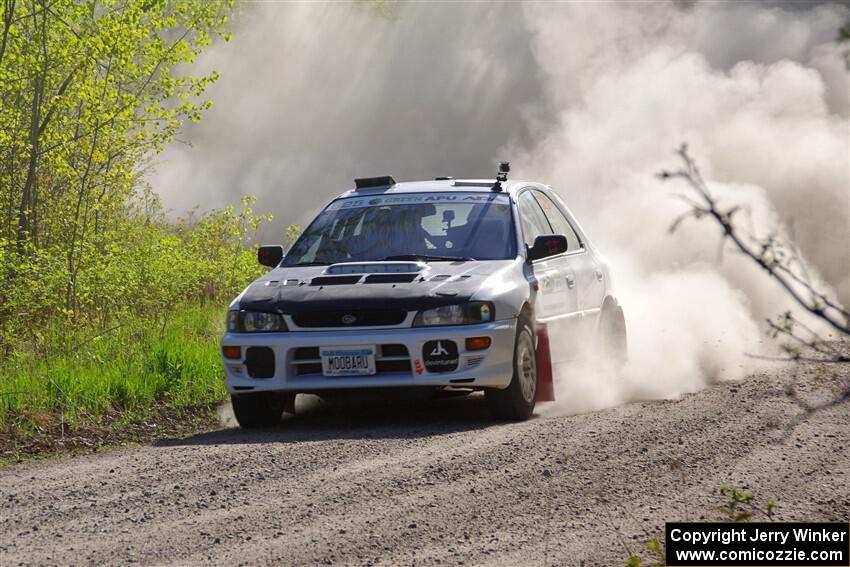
pixel 373 182
pixel 502 176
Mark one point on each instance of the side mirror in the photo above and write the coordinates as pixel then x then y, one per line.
pixel 547 245
pixel 270 255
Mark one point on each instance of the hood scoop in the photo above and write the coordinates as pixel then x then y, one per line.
pixel 335 280
pixel 375 268
pixel 390 278
pixel 356 278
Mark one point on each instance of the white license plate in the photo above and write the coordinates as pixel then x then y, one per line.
pixel 348 360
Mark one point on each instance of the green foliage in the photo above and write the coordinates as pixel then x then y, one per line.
pixel 146 322
pixel 735 501
pixel 293 231
pixel 653 546
pixel 739 506
pixel 90 91
pixel 123 369
pixel 139 272
pixel 106 305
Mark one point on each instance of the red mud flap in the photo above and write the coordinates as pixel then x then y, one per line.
pixel 545 384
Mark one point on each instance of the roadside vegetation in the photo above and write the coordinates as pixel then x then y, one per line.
pixel 738 506
pixel 109 310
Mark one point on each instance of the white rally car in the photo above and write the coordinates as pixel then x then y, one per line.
pixel 442 284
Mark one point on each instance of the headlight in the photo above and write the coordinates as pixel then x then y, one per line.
pixel 461 314
pixel 254 322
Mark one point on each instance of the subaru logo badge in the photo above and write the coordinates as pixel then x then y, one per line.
pixel 349 319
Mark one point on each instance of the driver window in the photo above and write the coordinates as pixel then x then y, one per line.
pixel 533 220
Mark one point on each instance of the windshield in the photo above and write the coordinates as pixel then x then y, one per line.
pixel 430 226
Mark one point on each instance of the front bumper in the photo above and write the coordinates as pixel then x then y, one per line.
pixel 491 367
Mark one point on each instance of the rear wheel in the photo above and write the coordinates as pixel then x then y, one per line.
pixel 613 340
pixel 516 402
pixel 258 409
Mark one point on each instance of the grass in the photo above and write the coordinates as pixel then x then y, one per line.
pixel 114 378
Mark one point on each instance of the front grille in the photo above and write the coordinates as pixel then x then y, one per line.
pixel 389 359
pixel 394 350
pixel 303 368
pixel 350 318
pixel 304 353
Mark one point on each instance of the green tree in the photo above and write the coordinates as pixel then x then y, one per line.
pixel 90 91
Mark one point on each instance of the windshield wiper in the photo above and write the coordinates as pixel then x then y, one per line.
pixel 427 257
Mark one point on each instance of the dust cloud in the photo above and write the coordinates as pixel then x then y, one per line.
pixel 757 116
pixel 591 98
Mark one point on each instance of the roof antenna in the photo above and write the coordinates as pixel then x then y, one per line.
pixel 504 168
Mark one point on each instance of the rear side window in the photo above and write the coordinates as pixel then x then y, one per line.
pixel 559 222
pixel 533 220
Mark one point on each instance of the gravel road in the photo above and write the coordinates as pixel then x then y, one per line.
pixel 434 483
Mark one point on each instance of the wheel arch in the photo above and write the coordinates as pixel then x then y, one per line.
pixel 528 312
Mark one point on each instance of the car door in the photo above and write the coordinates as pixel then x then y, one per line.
pixel 557 284
pixel 590 285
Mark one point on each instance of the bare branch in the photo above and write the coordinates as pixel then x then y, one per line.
pixel 766 253
pixel 780 258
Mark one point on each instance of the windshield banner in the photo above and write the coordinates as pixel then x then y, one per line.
pixel 416 198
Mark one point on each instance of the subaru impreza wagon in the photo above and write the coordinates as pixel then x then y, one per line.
pixel 443 284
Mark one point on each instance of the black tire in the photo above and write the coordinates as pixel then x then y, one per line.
pixel 613 339
pixel 516 403
pixel 259 409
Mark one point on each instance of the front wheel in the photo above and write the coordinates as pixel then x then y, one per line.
pixel 516 402
pixel 258 409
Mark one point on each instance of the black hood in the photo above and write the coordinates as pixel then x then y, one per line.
pixel 295 290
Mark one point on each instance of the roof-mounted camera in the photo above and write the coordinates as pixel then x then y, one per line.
pixel 502 176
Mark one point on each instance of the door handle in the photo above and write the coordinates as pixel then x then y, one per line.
pixel 599 275
pixel 571 282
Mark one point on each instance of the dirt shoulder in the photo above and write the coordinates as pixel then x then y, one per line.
pixel 434 483
pixel 49 436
